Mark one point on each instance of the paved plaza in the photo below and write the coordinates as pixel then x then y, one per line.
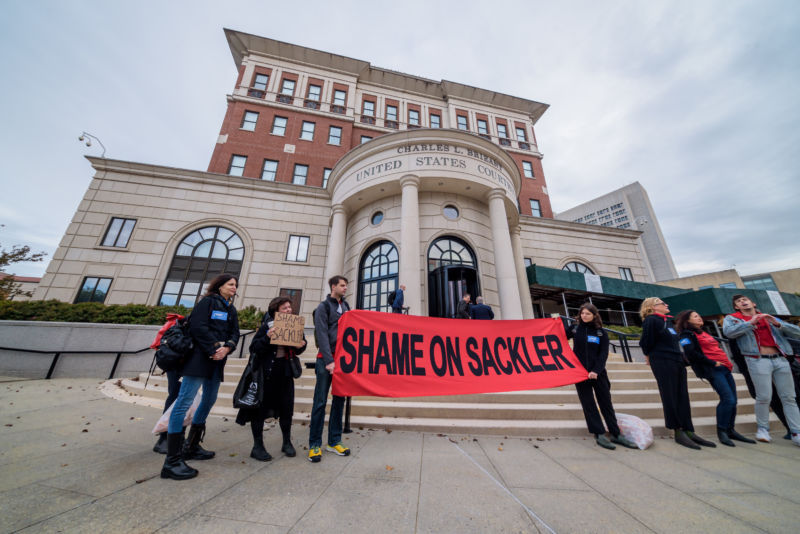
pixel 74 460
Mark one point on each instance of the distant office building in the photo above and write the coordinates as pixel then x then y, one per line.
pixel 786 281
pixel 629 208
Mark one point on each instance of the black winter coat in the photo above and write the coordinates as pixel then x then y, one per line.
pixel 263 351
pixel 590 345
pixel 213 320
pixel 702 365
pixel 659 338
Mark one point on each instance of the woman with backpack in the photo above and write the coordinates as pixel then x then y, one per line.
pixel 710 362
pixel 591 347
pixel 274 361
pixel 214 327
pixel 663 354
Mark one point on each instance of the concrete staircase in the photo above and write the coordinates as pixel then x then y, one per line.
pixel 537 413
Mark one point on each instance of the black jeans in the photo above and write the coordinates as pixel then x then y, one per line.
pixel 674 391
pixel 600 389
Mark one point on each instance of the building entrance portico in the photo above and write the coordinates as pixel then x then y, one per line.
pixel 424 183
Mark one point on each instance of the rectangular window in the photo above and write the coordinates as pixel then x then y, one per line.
pixel 369 108
pixel 335 136
pixel 521 134
pixel 391 113
pixel 94 289
pixel 704 287
pixel 339 101
pixel 260 82
pixel 119 232
pixel 527 169
pixel 307 132
pixel 300 174
pixel 625 274
pixel 365 138
pixel 325 175
pixel 728 285
pixel 502 131
pixel 483 128
pixel 287 87
pixel 413 117
pixel 436 121
pixel 237 165
pixel 760 282
pixel 298 248
pixel 314 92
pixel 461 120
pixel 536 209
pixel 259 88
pixel 528 262
pixel 249 121
pixel 279 125
pixel 270 170
pixel 296 296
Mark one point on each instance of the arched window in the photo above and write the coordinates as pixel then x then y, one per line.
pixel 577 267
pixel 202 255
pixel 377 276
pixel 449 251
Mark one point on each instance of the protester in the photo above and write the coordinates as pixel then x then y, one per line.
pixel 462 310
pixel 399 299
pixel 481 310
pixel 590 345
pixel 326 321
pixel 278 383
pixel 659 342
pixel 710 362
pixel 214 327
pixel 173 387
pixel 761 340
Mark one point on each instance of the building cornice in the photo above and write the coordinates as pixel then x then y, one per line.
pixel 174 173
pixel 539 222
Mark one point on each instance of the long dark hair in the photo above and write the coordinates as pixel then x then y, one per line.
pixel 276 303
pixel 682 322
pixel 219 281
pixel 591 308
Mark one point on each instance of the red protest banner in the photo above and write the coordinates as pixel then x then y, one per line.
pixel 389 355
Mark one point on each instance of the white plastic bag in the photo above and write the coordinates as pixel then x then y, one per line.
pixel 163 421
pixel 635 430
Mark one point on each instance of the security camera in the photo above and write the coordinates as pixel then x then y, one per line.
pixel 81 138
pixel 88 142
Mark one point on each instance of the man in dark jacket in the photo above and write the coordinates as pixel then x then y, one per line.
pixel 462 311
pixel 481 310
pixel 326 323
pixel 399 299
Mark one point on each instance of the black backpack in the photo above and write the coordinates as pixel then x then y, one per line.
pixel 175 347
pixel 392 296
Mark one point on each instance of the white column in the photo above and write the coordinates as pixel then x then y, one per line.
pixel 522 277
pixel 335 263
pixel 409 245
pixel 505 272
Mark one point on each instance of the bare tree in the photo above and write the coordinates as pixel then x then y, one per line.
pixel 10 288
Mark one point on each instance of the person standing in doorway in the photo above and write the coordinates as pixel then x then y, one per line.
pixel 481 310
pixel 326 323
pixel 462 311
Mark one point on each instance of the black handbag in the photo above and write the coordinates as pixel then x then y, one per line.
pixel 249 392
pixel 297 367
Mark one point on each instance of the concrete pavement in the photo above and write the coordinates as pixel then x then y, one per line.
pixel 74 460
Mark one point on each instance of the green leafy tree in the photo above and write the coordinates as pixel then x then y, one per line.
pixel 9 288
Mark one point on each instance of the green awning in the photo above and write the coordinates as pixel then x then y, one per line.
pixel 568 280
pixel 718 301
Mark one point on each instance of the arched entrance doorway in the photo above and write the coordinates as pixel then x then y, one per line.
pixel 452 272
pixel 377 276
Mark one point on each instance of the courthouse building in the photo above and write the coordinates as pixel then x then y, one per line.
pixel 327 165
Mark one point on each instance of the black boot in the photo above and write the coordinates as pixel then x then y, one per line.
pixel 733 434
pixel 174 466
pixel 602 440
pixel 682 439
pixel 192 449
pixel 161 445
pixel 259 452
pixel 700 441
pixel 724 438
pixel 288 448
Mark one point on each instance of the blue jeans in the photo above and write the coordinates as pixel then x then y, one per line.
pixel 189 387
pixel 722 382
pixel 173 388
pixel 765 371
pixel 318 410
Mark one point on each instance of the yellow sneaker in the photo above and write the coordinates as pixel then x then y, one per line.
pixel 314 455
pixel 339 449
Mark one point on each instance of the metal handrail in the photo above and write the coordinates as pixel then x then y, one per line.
pixel 623 339
pixel 57 355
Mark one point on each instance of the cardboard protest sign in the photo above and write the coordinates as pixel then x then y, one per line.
pixel 288 330
pixel 391 355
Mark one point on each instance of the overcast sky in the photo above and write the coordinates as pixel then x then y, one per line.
pixel 698 101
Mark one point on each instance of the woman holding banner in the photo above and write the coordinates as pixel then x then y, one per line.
pixel 663 354
pixel 591 347
pixel 274 361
